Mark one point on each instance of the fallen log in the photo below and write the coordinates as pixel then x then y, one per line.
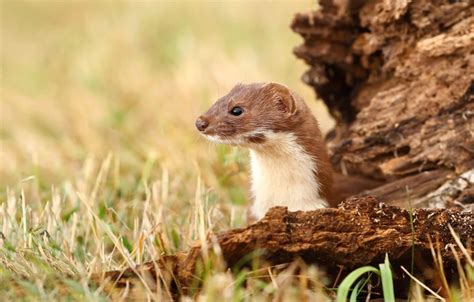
pixel 359 232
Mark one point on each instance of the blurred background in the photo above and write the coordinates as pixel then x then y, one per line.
pixel 82 80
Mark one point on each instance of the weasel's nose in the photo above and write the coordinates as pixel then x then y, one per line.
pixel 201 124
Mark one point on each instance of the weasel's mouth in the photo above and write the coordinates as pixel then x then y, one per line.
pixel 240 140
pixel 223 139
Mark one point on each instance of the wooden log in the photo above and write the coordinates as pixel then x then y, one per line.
pixel 359 232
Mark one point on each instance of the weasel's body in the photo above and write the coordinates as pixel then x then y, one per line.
pixel 289 161
pixel 284 174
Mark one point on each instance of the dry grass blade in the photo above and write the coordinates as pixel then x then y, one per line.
pixel 461 246
pixel 438 261
pixel 118 245
pixel 423 285
pixel 463 281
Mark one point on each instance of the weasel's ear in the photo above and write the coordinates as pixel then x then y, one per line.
pixel 282 95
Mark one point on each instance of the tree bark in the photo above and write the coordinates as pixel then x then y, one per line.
pixel 359 232
pixel 398 78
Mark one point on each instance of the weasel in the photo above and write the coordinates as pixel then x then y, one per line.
pixel 289 161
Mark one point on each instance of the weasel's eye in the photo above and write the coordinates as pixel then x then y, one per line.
pixel 236 111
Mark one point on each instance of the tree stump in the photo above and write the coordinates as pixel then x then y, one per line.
pixel 398 78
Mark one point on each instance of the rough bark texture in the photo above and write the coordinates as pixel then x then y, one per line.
pixel 357 233
pixel 398 78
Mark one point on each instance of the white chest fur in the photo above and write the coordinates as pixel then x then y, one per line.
pixel 283 175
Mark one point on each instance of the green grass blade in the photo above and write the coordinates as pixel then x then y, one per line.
pixel 387 280
pixel 355 290
pixel 346 284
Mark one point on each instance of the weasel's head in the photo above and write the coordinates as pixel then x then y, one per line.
pixel 249 113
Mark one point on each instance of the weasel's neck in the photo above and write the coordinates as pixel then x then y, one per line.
pixel 284 174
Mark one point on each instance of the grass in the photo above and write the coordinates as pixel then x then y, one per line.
pixel 385 274
pixel 101 167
